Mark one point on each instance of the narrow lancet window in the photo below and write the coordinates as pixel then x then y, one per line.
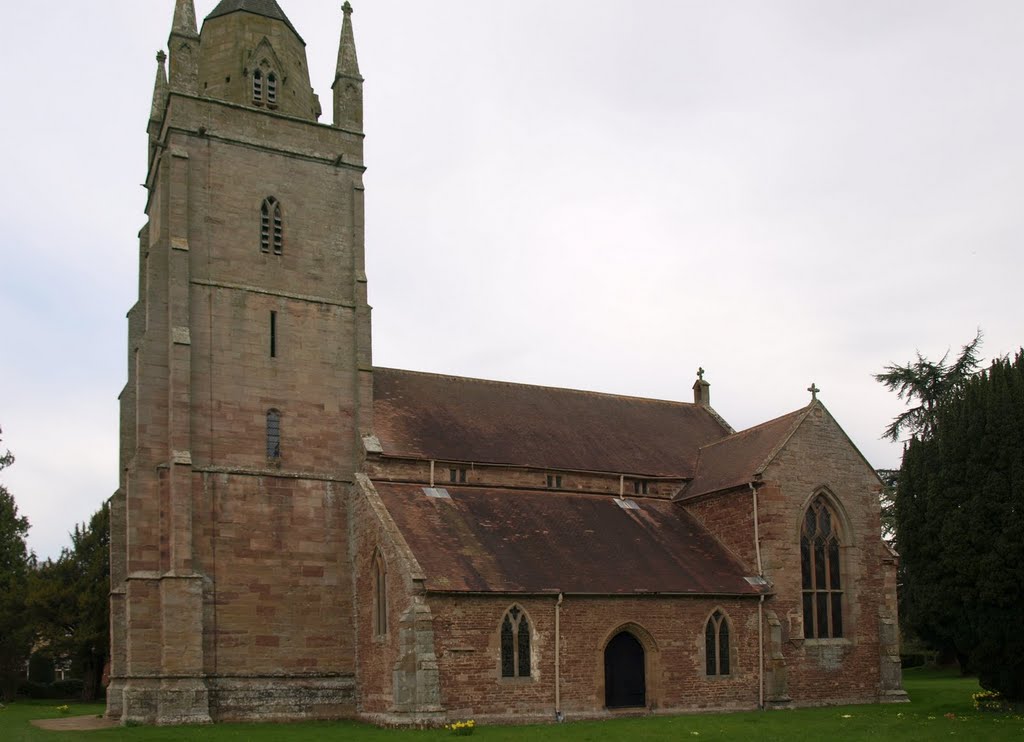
pixel 716 644
pixel 271 89
pixel 273 334
pixel 273 435
pixel 257 87
pixel 515 644
pixel 271 226
pixel 820 572
pixel 380 597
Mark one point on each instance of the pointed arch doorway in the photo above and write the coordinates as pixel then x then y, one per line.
pixel 625 683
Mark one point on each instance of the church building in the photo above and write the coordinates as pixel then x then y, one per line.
pixel 299 534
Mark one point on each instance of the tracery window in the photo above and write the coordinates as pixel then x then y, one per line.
pixel 820 542
pixel 716 644
pixel 273 434
pixel 515 644
pixel 380 596
pixel 271 226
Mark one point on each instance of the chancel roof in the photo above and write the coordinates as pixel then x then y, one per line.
pixel 266 8
pixel 733 461
pixel 529 541
pixel 449 418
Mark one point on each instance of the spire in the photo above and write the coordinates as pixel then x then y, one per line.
pixel 184 18
pixel 156 113
pixel 183 45
pixel 348 83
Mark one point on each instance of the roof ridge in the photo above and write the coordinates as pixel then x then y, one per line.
pixel 499 382
pixel 754 428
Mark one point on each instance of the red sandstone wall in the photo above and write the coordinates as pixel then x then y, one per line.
pixel 466 631
pixel 276 549
pixel 819 455
pixel 730 517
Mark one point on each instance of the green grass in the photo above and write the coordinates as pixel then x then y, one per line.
pixel 933 695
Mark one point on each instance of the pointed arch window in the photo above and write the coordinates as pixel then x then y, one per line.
pixel 515 644
pixel 271 89
pixel 271 226
pixel 716 644
pixel 380 596
pixel 820 570
pixel 273 435
pixel 257 86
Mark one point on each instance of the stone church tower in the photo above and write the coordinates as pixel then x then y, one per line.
pixel 249 383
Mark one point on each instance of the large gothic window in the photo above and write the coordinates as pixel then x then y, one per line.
pixel 820 540
pixel 716 644
pixel 271 226
pixel 515 644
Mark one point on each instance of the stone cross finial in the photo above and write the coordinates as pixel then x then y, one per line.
pixel 813 389
pixel 161 57
pixel 700 373
pixel 347 8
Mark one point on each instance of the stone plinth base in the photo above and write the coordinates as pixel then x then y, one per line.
pixel 282 699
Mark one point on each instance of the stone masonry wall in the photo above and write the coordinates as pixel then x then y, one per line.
pixel 670 629
pixel 820 458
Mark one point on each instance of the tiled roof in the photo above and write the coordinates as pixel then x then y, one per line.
pixel 734 461
pixel 429 416
pixel 267 8
pixel 495 540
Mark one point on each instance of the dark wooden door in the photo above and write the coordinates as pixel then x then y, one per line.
pixel 624 684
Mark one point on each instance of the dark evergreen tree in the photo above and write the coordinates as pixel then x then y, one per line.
pixel 960 518
pixel 16 633
pixel 69 602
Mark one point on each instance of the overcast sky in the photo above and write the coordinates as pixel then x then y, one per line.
pixel 593 194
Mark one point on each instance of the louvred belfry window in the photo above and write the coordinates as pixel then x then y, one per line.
pixel 257 87
pixel 271 89
pixel 271 226
pixel 820 572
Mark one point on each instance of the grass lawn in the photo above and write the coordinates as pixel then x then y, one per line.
pixel 933 695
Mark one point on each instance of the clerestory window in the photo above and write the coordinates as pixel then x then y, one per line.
pixel 271 226
pixel 515 644
pixel 716 644
pixel 820 542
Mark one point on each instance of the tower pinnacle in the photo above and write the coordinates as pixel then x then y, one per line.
pixel 348 83
pixel 156 113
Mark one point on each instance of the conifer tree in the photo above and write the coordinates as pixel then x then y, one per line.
pixel 960 518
